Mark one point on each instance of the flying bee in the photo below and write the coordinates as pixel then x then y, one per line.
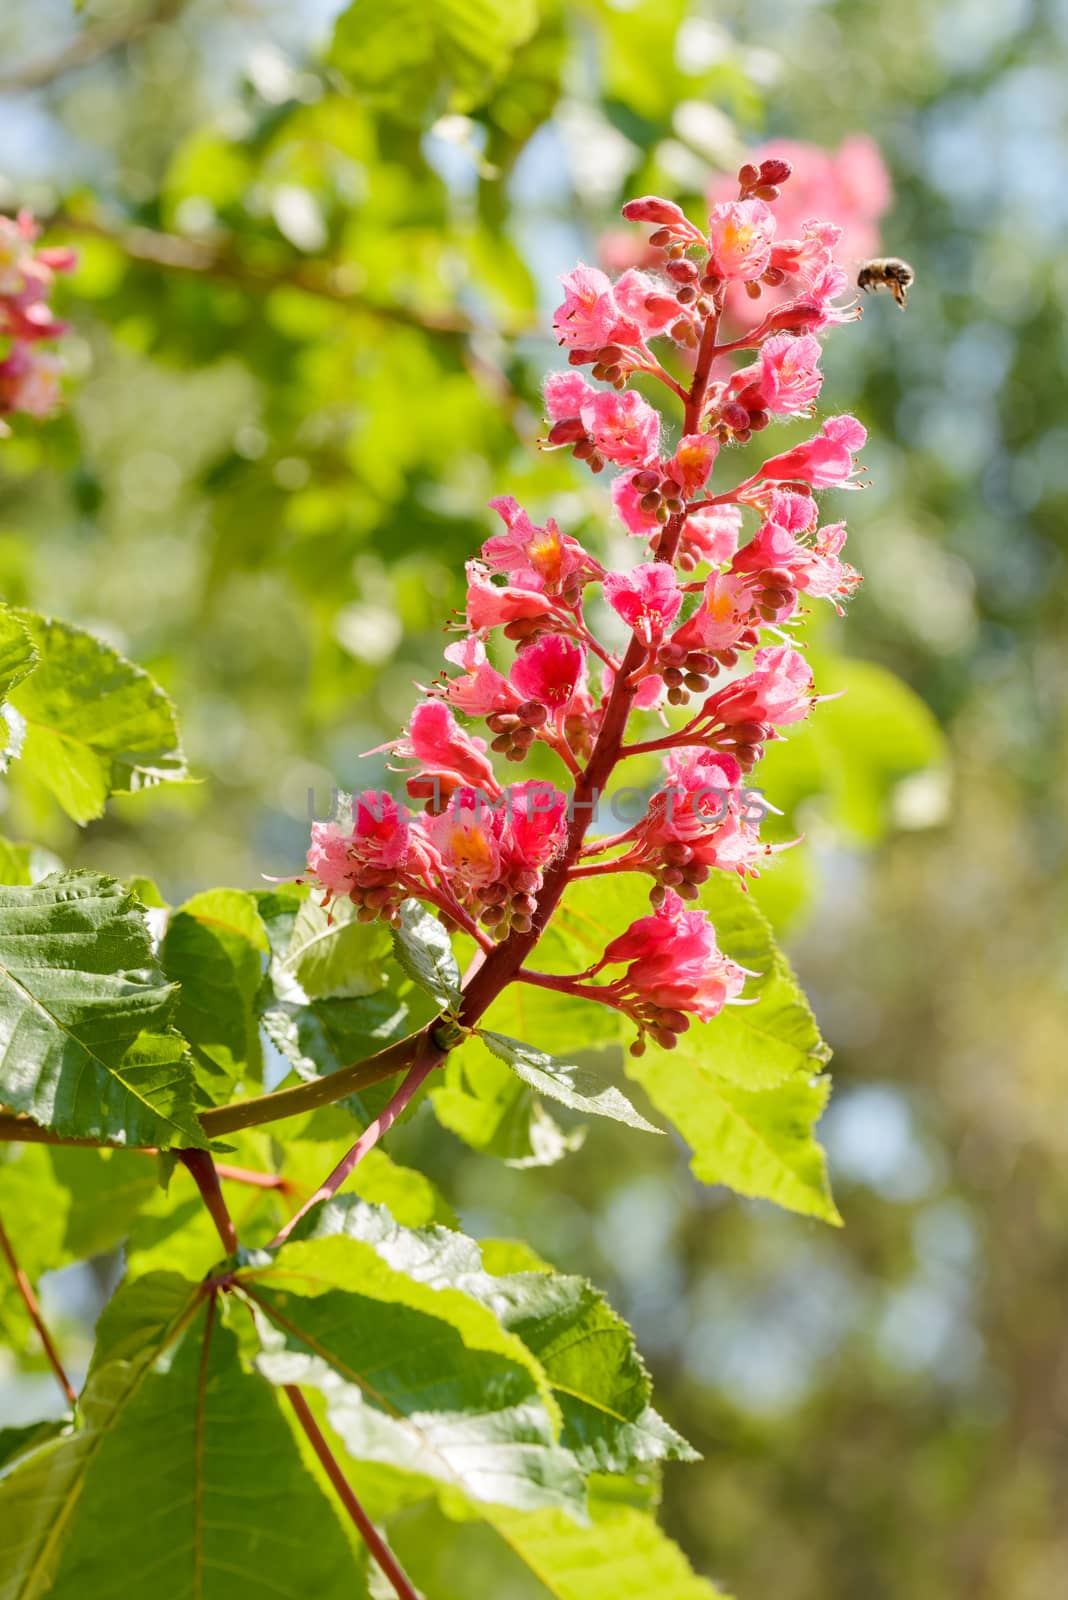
pixel 887 272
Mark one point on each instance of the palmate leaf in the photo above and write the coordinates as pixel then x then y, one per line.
pixel 183 1477
pixel 621 1553
pixel 742 1090
pixel 331 954
pixel 760 1142
pixel 83 1009
pixel 483 1102
pixel 586 1351
pixel 18 653
pixel 216 947
pixel 572 1086
pixel 409 57
pixel 96 724
pixel 424 1380
pixel 424 951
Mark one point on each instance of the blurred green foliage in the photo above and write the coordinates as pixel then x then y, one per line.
pixel 309 328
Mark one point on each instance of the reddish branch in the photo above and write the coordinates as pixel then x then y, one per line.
pixel 206 1178
pixel 29 1300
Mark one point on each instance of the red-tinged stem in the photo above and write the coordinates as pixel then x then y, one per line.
pixel 206 1178
pixel 29 1300
pixel 585 991
pixel 255 1180
pixel 367 1140
pixel 663 376
pixel 599 869
pixel 344 1491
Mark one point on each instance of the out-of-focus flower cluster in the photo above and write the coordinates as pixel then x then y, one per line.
pixel 29 373
pixel 708 618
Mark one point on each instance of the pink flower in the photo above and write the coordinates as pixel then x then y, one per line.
pixel 647 598
pixel 849 186
pixel 549 671
pixel 626 500
pixel 375 862
pixel 740 234
pixel 589 316
pixel 784 380
pixel 648 302
pixel 481 690
pixel 535 826
pixel 675 963
pixel 533 557
pixel 463 838
pixel 491 606
pixel 443 750
pixel 699 819
pixel 779 690
pixel 692 462
pixel 624 427
pixel 29 381
pixel 813 567
pixel 711 535
pixel 725 613
pixel 824 462
pixel 648 695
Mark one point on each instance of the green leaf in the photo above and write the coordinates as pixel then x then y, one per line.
pixel 18 654
pixel 319 1038
pixel 15 1442
pixel 331 954
pixel 423 949
pixel 560 1080
pixel 185 1474
pixel 758 1142
pixel 484 1103
pixel 755 1046
pixel 96 725
pixel 424 1380
pixel 586 1351
pixel 410 57
pixel 81 1000
pixel 215 947
pixel 15 862
pixel 622 1553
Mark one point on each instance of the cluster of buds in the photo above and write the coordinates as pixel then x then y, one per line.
pixel 29 373
pixel 722 645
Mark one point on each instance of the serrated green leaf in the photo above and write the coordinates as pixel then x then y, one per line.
pixel 18 654
pixel 759 1142
pixel 319 1038
pixel 19 1441
pixel 222 1505
pixel 622 1552
pixel 425 1380
pixel 484 1103
pixel 586 1351
pixel 422 947
pixel 96 724
pixel 411 58
pixel 572 1086
pixel 82 999
pixel 215 947
pixel 331 954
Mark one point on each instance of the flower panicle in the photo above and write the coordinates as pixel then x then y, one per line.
pixel 701 633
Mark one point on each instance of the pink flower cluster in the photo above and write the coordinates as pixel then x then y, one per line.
pixel 558 653
pixel 29 375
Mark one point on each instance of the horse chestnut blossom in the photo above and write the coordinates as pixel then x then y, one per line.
pixel 693 654
pixel 29 375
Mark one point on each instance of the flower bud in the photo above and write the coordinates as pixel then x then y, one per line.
pixel 775 170
pixel 651 208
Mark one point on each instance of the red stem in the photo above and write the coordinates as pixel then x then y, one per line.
pixel 29 1300
pixel 368 1532
pixel 206 1178
pixel 256 1180
pixel 367 1140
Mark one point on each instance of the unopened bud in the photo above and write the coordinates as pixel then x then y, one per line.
pixel 775 170
pixel 748 175
pixel 682 271
pixel 567 431
pixel 651 208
